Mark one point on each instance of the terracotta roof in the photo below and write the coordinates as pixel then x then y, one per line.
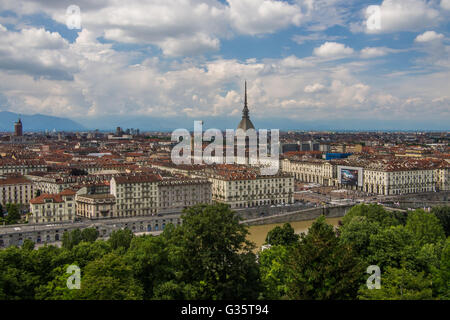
pixel 41 199
pixel 15 180
pixel 137 178
pixel 68 192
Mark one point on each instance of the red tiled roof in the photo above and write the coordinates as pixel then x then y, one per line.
pixel 41 199
pixel 137 178
pixel 68 192
pixel 15 180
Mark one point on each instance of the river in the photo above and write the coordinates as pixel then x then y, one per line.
pixel 258 233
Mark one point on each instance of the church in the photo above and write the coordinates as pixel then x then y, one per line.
pixel 245 123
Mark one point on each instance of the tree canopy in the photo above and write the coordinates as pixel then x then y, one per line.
pixel 209 256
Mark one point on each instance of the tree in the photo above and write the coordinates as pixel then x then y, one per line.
pixel 400 284
pixel 149 258
pixel 44 260
pixel 28 245
pixel 85 252
pixel 357 232
pixel 282 235
pixel 108 278
pixel 373 213
pixel 17 278
pixel 443 214
pixel 274 274
pixel 392 246
pixel 321 267
pixel 121 239
pixel 71 238
pixel 425 227
pixel 13 213
pixel 211 256
pixel 441 275
pixel 89 234
pixel 56 288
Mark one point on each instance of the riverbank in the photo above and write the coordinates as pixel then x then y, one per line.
pixel 258 233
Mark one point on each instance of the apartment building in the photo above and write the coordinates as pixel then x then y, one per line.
pixel 442 177
pixel 49 208
pixel 16 189
pixel 177 194
pixel 244 187
pixel 21 166
pixel 310 170
pixel 397 182
pixel 56 183
pixel 136 195
pixel 96 206
pixel 379 176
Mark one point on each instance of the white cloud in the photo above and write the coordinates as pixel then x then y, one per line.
pixel 429 36
pixel 373 52
pixel 178 27
pixel 42 72
pixel 316 87
pixel 193 45
pixel 36 52
pixel 445 4
pixel 300 39
pixel 333 50
pixel 263 16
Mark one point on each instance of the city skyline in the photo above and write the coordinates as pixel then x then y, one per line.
pixel 159 65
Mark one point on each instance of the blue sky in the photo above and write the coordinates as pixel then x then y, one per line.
pixel 311 61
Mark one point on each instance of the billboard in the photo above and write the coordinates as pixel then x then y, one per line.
pixel 350 176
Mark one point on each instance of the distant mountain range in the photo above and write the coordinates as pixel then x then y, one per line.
pixel 37 122
pixel 168 124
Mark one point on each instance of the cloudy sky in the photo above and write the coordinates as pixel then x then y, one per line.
pixel 314 61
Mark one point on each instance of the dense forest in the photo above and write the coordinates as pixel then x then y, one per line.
pixel 209 257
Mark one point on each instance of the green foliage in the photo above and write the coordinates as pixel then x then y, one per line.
pixel 321 267
pixel 71 238
pixel 282 235
pixel 28 245
pixel 121 239
pixel 274 272
pixel 441 275
pixel 357 232
pixel 400 284
pixel 425 227
pixel 443 214
pixel 17 279
pixel 149 258
pixel 392 246
pixel 85 252
pixel 211 255
pixel 56 288
pixel 373 213
pixel 13 213
pixel 89 234
pixel 108 278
